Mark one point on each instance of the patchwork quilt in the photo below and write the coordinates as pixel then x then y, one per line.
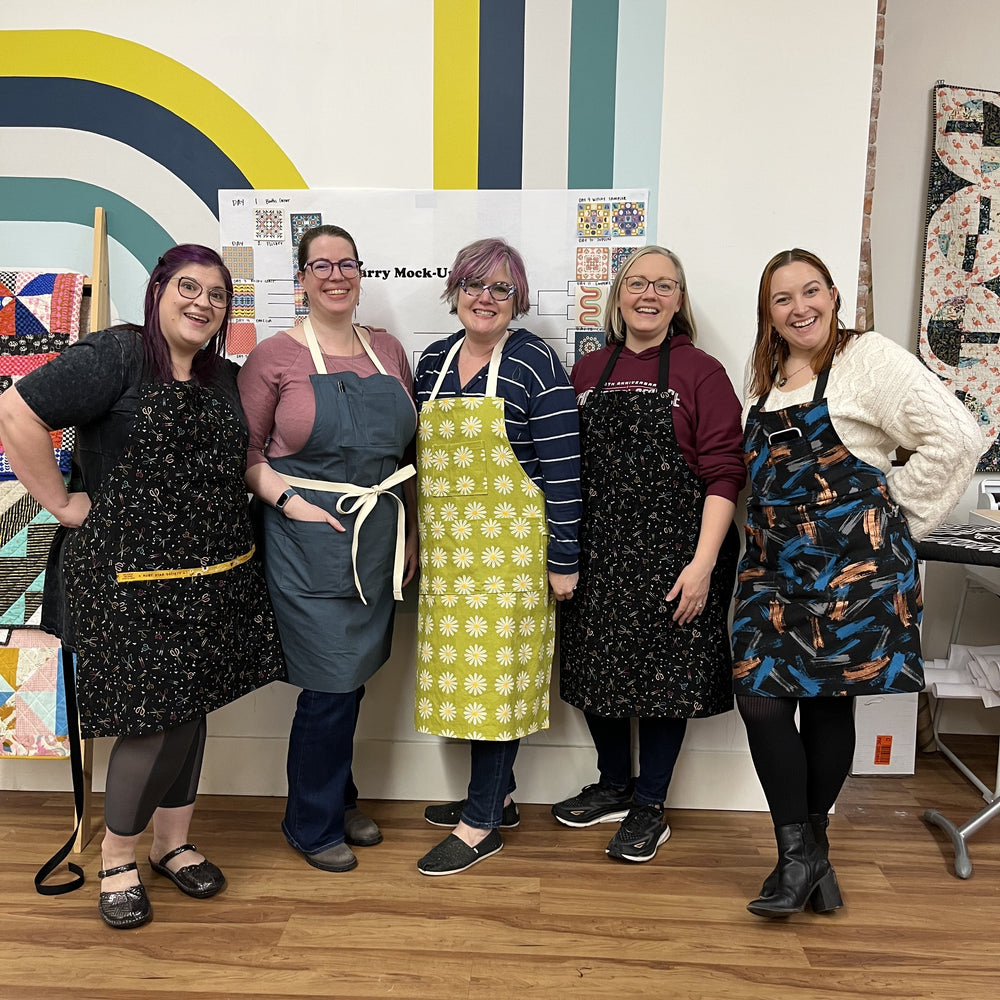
pixel 960 302
pixel 39 317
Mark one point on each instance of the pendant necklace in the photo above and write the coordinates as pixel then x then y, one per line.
pixel 782 382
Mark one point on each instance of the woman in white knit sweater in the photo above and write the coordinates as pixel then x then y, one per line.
pixel 828 601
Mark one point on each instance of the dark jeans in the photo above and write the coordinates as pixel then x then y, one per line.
pixel 320 783
pixel 659 746
pixel 491 781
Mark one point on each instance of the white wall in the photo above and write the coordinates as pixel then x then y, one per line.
pixel 764 140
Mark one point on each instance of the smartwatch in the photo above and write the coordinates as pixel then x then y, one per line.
pixel 279 504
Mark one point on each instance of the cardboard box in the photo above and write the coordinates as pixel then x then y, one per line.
pixel 886 726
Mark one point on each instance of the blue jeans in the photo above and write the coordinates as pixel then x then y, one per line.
pixel 659 746
pixel 320 783
pixel 491 781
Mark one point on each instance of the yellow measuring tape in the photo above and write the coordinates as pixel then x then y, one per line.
pixel 178 574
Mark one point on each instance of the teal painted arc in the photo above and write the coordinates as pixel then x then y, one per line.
pixel 592 70
pixel 639 101
pixel 57 199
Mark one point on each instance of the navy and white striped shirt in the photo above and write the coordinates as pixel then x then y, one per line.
pixel 542 425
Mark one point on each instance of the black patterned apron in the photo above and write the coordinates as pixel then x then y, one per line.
pixel 828 600
pixel 170 611
pixel 621 654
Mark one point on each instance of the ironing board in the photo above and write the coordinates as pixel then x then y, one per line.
pixel 974 545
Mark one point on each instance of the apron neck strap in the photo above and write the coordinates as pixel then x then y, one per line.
pixel 494 371
pixel 491 375
pixel 821 380
pixel 313 344
pixel 663 374
pixel 317 355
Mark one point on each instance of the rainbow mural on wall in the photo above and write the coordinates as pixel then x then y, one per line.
pixel 498 121
pixel 96 83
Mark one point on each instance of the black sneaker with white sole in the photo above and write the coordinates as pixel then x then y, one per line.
pixel 641 833
pixel 597 803
pixel 449 814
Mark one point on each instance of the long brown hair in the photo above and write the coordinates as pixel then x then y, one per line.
pixel 769 350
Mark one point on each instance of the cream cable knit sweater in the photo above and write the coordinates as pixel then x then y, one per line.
pixel 880 397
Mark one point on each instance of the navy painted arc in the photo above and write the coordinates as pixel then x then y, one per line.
pixel 87 106
pixel 501 93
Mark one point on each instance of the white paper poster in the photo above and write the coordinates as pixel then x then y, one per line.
pixel 572 242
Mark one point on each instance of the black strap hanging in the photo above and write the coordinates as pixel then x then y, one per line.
pixel 76 763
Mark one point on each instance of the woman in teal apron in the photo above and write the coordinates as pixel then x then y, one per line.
pixel 499 486
pixel 828 599
pixel 331 418
pixel 166 610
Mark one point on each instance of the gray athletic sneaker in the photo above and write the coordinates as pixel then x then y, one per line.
pixel 597 803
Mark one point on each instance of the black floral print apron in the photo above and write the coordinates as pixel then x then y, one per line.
pixel 828 600
pixel 621 654
pixel 169 609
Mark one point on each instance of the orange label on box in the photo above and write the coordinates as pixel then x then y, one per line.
pixel 883 750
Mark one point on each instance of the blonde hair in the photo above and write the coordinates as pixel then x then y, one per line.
pixel 614 322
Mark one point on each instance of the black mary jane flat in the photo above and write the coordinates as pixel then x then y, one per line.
pixel 201 880
pixel 126 907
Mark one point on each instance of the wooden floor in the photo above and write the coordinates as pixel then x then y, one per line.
pixel 550 916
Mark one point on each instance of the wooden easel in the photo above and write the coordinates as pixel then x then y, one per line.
pixel 96 286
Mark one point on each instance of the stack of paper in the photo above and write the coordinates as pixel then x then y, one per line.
pixel 969 672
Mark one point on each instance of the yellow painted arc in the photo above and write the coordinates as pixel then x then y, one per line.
pixel 456 94
pixel 138 69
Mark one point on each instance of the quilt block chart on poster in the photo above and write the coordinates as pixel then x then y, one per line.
pixel 960 303
pixel 573 243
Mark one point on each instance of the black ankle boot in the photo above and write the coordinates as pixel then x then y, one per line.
pixel 819 822
pixel 804 876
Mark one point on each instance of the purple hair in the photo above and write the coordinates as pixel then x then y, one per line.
pixel 206 362
pixel 478 261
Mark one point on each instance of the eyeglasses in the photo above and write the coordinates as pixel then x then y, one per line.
pixel 500 291
pixel 323 268
pixel 191 289
pixel 664 287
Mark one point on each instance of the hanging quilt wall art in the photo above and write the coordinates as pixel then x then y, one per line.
pixel 33 720
pixel 960 302
pixel 39 317
pixel 26 533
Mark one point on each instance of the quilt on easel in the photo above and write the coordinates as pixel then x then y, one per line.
pixel 32 697
pixel 26 533
pixel 960 303
pixel 39 317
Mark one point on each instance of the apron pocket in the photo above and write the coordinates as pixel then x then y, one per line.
pixel 311 559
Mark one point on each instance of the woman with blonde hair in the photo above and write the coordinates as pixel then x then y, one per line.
pixel 645 636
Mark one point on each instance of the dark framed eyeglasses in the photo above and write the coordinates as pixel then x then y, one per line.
pixel 500 291
pixel 323 268
pixel 664 287
pixel 191 289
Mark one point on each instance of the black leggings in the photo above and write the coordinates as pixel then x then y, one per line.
pixel 150 771
pixel 801 770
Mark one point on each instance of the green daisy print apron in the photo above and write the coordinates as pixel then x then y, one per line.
pixel 486 616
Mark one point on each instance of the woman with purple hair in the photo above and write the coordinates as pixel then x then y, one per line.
pixel 498 455
pixel 150 579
